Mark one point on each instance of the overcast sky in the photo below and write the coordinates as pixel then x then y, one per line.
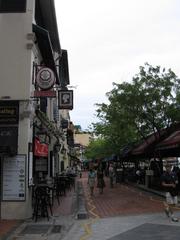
pixel 107 41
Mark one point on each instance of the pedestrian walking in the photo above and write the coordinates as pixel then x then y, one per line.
pixel 111 175
pixel 100 179
pixel 91 180
pixel 169 182
pixel 138 176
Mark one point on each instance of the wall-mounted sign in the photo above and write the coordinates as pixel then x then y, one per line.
pixel 45 78
pixel 14 178
pixel 9 112
pixel 48 93
pixel 65 99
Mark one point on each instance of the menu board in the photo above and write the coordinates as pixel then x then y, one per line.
pixel 14 178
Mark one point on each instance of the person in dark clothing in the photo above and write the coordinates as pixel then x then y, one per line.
pixel 177 171
pixel 100 179
pixel 169 181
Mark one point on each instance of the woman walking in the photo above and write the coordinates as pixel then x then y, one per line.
pixel 91 180
pixel 111 175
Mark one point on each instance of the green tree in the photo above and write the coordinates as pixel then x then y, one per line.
pixel 97 148
pixel 146 105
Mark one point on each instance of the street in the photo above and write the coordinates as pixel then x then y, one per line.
pixel 123 212
pixel 122 200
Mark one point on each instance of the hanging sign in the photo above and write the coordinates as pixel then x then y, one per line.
pixel 40 149
pixel 65 99
pixel 45 78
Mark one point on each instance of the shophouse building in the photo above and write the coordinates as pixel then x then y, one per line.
pixel 81 141
pixel 34 102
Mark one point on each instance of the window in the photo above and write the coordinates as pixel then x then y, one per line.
pixel 12 6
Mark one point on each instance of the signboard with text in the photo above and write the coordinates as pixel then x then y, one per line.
pixel 14 178
pixel 48 93
pixel 9 112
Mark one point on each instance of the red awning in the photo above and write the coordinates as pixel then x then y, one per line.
pixel 172 141
pixel 146 144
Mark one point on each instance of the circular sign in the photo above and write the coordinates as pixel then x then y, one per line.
pixel 45 78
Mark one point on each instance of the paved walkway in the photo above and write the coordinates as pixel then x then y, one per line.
pixel 122 200
pixel 123 212
pixel 7 226
pixel 145 226
pixel 56 227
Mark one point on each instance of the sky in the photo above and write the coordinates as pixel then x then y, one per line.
pixel 107 41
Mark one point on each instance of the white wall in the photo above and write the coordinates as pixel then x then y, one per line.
pixel 16 82
pixel 15 58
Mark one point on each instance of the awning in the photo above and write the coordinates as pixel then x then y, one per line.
pixel 172 141
pixel 164 144
pixel 147 145
pixel 45 47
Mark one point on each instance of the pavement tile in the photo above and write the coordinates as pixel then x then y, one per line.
pixel 121 200
pixel 62 215
pixel 117 211
pixel 7 226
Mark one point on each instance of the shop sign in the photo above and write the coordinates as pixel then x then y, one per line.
pixel 9 112
pixel 48 93
pixel 65 99
pixel 40 149
pixel 14 178
pixel 45 78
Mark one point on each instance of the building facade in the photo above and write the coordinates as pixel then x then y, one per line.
pixel 33 72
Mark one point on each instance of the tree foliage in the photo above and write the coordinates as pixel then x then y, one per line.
pixel 146 105
pixel 97 149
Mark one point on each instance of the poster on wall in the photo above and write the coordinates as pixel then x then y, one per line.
pixel 14 178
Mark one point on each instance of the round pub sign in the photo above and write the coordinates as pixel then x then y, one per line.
pixel 45 78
